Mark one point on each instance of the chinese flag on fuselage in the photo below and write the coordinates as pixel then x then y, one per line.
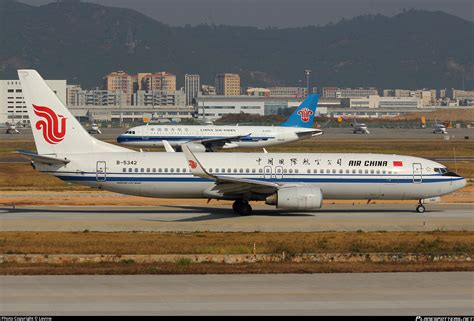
pixel 397 163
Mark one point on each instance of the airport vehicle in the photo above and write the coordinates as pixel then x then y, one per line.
pixel 94 129
pixel 289 181
pixel 211 138
pixel 359 128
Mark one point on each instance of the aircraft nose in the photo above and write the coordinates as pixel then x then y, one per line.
pixel 122 139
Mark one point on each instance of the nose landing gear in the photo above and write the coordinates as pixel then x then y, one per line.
pixel 242 207
pixel 420 208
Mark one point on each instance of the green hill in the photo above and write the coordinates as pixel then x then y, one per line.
pixel 82 42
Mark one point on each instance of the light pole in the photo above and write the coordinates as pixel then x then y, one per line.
pixel 307 72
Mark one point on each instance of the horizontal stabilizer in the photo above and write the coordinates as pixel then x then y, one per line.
pixel 49 160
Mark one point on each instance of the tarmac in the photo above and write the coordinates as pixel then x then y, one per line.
pixel 191 218
pixel 443 293
pixel 343 133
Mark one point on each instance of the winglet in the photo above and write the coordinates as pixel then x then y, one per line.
pixel 194 165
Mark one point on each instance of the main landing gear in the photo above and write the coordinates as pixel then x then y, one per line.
pixel 242 207
pixel 420 208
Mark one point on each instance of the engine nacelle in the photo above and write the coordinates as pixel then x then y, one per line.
pixel 196 147
pixel 297 198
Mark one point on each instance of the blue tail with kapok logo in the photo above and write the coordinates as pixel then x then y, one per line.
pixel 303 116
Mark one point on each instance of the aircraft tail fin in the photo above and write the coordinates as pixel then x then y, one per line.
pixel 55 129
pixel 303 116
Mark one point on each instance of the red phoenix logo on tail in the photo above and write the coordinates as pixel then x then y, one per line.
pixel 53 132
pixel 305 113
pixel 192 164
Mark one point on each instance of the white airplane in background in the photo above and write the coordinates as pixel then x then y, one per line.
pixel 440 129
pixel 211 138
pixel 290 181
pixel 359 128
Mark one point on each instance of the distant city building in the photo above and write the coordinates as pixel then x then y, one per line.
pixel 191 88
pixel 159 98
pixel 288 92
pixel 99 97
pixel 335 92
pixel 12 103
pixel 214 107
pixel 208 90
pixel 258 92
pixel 375 101
pixel 228 84
pixel 427 96
pixel 157 81
pixel 122 82
pixel 71 94
pixel 457 94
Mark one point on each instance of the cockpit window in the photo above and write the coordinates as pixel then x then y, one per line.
pixel 441 170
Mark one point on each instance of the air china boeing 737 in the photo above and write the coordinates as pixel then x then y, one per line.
pixel 287 180
pixel 211 138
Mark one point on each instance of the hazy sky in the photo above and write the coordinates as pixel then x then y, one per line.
pixel 278 13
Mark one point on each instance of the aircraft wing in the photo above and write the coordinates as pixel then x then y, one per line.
pixel 228 184
pixel 49 160
pixel 216 143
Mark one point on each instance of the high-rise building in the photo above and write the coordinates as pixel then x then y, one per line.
pixel 71 94
pixel 228 84
pixel 157 81
pixel 335 92
pixel 12 103
pixel 122 82
pixel 191 87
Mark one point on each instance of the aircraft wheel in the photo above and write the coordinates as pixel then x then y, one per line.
pixel 242 207
pixel 420 209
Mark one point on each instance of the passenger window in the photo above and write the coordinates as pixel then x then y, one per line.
pixel 171 170
pixel 308 171
pixel 285 171
pixel 378 171
pixel 210 170
pixel 142 170
pixel 334 171
pixel 229 170
pixel 367 171
pixel 124 170
pixel 130 170
pixel 247 170
pixel 353 171
pixel 260 170
pixel 328 171
pixel 253 170
pixel 241 170
pixel 384 172
pixel 360 171
pixel 341 171
pixel 147 170
pixel 321 171
pixel 159 170
pixel 184 170
pixel 166 170
pixel 223 170
pixel 297 171
pixel 177 170
pixel 136 170
pixel 154 170
pixel 371 171
pixel 347 171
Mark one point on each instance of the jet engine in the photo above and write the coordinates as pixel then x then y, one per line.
pixel 297 198
pixel 196 147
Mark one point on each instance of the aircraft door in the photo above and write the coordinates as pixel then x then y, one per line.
pixel 417 173
pixel 101 171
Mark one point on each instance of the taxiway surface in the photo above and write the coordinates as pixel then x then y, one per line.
pixel 190 218
pixel 442 293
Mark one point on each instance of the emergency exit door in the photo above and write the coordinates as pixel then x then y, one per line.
pixel 101 171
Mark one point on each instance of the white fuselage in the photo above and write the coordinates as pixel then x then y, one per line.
pixel 339 176
pixel 176 135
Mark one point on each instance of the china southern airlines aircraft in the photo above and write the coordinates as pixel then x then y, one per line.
pixel 287 180
pixel 211 138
